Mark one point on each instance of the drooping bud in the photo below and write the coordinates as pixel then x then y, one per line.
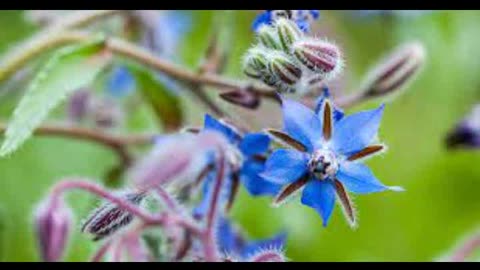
pixel 105 112
pixel 53 220
pixel 109 218
pixel 395 70
pixel 78 105
pixel 255 62
pixel 284 68
pixel 466 134
pixel 321 57
pixel 288 33
pixel 244 98
pixel 268 37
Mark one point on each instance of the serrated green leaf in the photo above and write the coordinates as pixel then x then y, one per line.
pixel 69 68
pixel 165 103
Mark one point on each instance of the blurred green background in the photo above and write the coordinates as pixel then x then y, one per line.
pixel 441 203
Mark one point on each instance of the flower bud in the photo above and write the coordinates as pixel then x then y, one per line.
pixel 78 105
pixel 109 218
pixel 53 220
pixel 284 68
pixel 395 70
pixel 288 33
pixel 466 134
pixel 267 36
pixel 255 62
pixel 244 98
pixel 319 56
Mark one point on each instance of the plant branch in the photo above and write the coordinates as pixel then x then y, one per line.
pixel 115 142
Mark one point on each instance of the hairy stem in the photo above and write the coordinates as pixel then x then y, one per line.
pixel 50 37
pixel 210 248
pixel 466 249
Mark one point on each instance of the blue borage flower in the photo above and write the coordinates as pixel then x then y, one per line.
pixel 301 17
pixel 249 151
pixel 232 242
pixel 327 147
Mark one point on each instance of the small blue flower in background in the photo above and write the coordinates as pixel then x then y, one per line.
pixel 249 150
pixel 327 147
pixel 303 18
pixel 121 82
pixel 466 133
pixel 232 242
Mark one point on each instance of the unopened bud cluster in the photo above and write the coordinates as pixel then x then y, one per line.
pixel 289 60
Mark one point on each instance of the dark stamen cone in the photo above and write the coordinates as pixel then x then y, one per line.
pixel 290 190
pixel 346 203
pixel 286 139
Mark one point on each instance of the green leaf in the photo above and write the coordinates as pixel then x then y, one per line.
pixel 165 103
pixel 69 68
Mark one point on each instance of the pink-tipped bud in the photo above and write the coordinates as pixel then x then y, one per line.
pixel 395 70
pixel 53 220
pixel 321 57
pixel 109 218
pixel 288 33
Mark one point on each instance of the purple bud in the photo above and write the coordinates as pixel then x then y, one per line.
pixel 319 56
pixel 268 256
pixel 53 221
pixel 244 98
pixel 395 70
pixel 466 134
pixel 78 105
pixel 109 218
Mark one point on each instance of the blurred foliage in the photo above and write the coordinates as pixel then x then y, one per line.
pixel 441 202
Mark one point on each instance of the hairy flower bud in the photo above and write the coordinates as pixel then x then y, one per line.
pixel 284 68
pixel 319 56
pixel 109 218
pixel 395 70
pixel 255 62
pixel 53 220
pixel 268 37
pixel 288 33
